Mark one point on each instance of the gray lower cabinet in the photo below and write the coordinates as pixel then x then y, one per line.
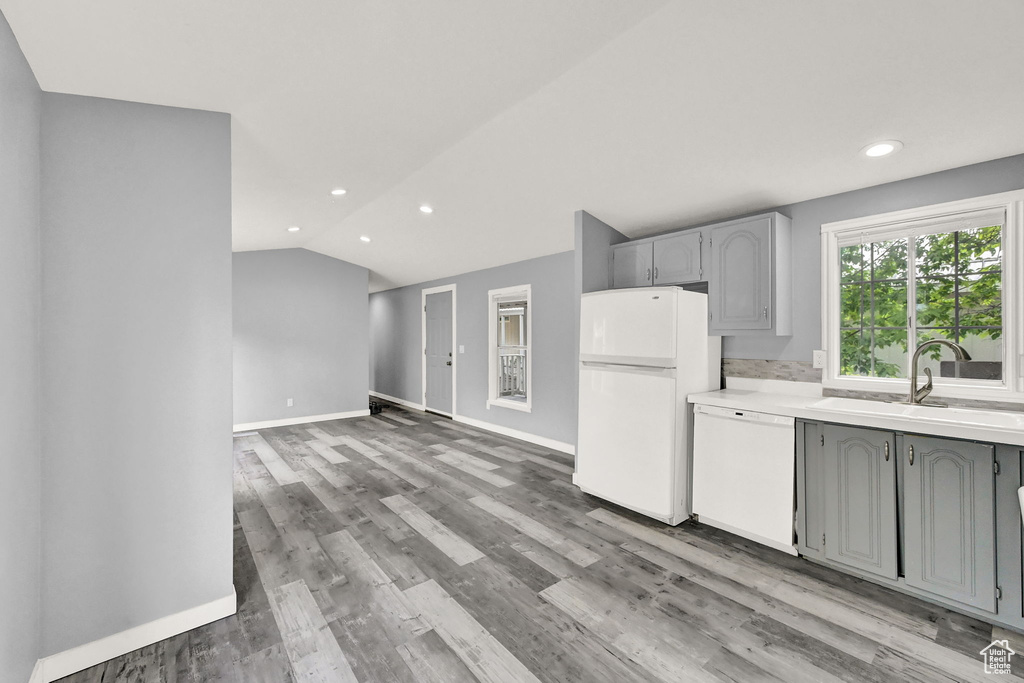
pixel 860 499
pixel 632 265
pixel 917 512
pixel 949 519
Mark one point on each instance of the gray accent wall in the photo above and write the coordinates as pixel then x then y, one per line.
pixel 593 263
pixel 136 371
pixel 301 331
pixel 991 177
pixel 395 335
pixel 20 487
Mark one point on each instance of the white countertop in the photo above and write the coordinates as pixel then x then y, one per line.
pixel 991 426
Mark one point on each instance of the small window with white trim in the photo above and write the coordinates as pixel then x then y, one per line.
pixel 509 344
pixel 950 272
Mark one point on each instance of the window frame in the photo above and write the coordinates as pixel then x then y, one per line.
pixel 495 297
pixel 914 222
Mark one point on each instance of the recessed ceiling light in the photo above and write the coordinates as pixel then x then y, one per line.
pixel 337 192
pixel 365 238
pixel 883 148
pixel 426 209
pixel 294 228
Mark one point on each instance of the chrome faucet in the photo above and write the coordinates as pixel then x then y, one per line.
pixel 918 395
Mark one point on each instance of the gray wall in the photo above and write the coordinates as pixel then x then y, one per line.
pixel 991 177
pixel 593 239
pixel 1001 175
pixel 301 332
pixel 20 99
pixel 136 372
pixel 395 333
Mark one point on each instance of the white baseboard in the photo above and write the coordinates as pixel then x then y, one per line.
pixel 288 421
pixel 560 446
pixel 37 672
pixel 54 667
pixel 399 401
pixel 497 429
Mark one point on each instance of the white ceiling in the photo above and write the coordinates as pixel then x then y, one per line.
pixel 506 117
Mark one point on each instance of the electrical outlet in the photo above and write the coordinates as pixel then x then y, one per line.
pixel 462 349
pixel 289 403
pixel 818 359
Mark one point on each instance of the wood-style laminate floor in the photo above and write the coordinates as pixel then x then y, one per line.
pixel 405 547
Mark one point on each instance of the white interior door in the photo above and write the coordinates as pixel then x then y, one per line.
pixel 627 439
pixel 438 347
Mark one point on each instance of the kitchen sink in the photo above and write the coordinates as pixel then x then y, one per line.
pixel 923 412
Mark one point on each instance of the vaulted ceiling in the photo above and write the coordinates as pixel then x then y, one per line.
pixel 505 117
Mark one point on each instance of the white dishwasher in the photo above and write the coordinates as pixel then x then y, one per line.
pixel 744 470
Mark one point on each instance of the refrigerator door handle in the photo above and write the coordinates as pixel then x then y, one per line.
pixel 638 361
pixel 623 367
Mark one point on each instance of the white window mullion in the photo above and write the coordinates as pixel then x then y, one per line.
pixel 911 300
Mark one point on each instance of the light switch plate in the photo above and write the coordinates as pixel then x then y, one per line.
pixel 818 359
pixel 289 403
pixel 462 349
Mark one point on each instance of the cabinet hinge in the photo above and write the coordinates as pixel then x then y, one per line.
pixel 999 592
pixel 822 439
pixel 823 539
pixel 709 316
pixel 995 467
pixel 700 238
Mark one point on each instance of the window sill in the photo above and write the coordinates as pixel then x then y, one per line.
pixel 505 403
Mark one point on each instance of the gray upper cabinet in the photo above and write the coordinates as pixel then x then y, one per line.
pixel 632 265
pixel 670 260
pixel 860 499
pixel 949 519
pixel 750 279
pixel 677 258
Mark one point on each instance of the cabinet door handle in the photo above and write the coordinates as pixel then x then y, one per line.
pixel 887 451
pixel 911 456
pixel 648 276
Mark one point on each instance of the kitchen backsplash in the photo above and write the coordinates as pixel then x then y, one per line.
pixel 786 370
pixel 802 371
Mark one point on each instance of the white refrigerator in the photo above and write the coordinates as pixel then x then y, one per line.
pixel 642 352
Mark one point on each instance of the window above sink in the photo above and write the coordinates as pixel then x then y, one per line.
pixel 952 271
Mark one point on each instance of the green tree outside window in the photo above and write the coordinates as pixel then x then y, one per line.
pixel 957 280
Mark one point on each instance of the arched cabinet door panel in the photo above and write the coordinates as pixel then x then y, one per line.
pixel 949 519
pixel 632 265
pixel 677 258
pixel 749 274
pixel 860 499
